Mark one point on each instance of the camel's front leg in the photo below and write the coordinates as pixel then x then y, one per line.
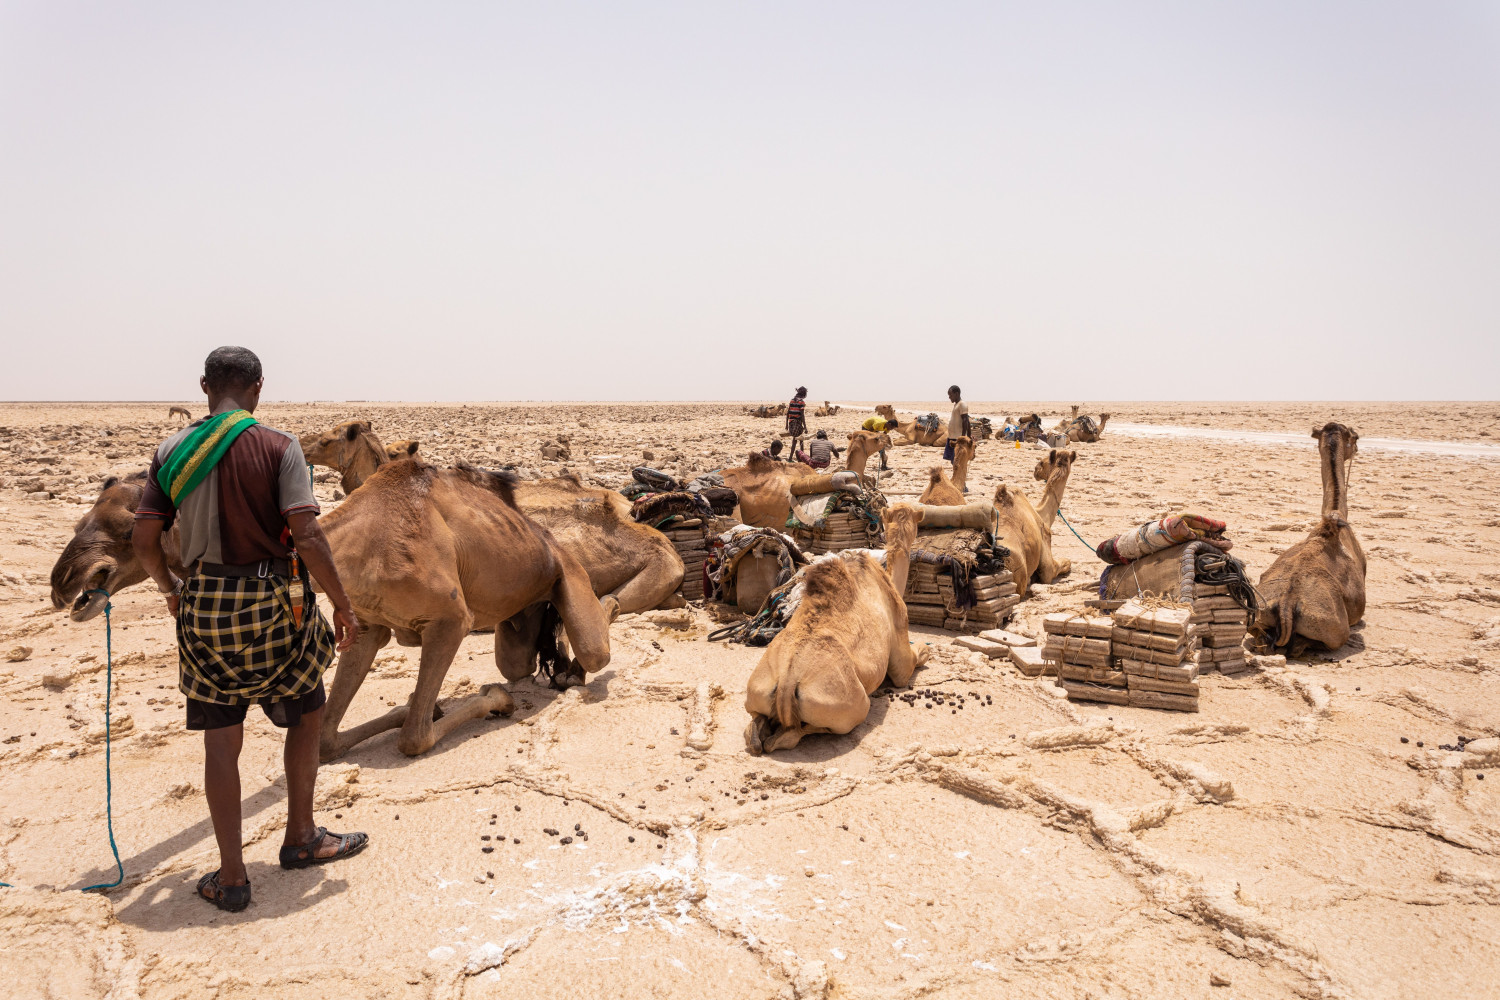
pixel 440 642
pixel 353 666
pixel 1050 567
pixel 905 657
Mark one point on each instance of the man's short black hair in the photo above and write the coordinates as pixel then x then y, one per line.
pixel 893 423
pixel 802 390
pixel 776 447
pixel 823 435
pixel 954 388
pixel 231 368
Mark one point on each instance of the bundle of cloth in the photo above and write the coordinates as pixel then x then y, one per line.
pixel 1153 536
pixel 780 604
pixel 812 510
pixel 657 509
pixel 646 482
pixel 741 540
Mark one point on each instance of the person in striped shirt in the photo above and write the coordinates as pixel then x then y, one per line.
pixel 796 418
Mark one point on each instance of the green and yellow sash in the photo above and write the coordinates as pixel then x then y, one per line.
pixel 193 459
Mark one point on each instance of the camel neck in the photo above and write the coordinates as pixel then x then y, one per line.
pixel 898 565
pixel 1335 480
pixel 1052 499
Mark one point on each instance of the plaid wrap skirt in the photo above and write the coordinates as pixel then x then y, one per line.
pixel 237 642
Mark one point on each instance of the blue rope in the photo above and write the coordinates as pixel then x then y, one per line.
pixel 1075 533
pixel 109 816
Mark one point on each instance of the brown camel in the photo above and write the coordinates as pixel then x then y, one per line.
pixel 178 411
pixel 944 492
pixel 1067 422
pixel 631 566
pixel 764 488
pixel 352 448
pixel 1315 590
pixel 1086 430
pixel 862 445
pixel 911 433
pixel 827 409
pixel 431 554
pixel 1027 531
pixel 402 449
pixel 847 636
pixel 99 560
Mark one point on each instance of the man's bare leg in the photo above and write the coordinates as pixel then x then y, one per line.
pixel 300 757
pixel 221 786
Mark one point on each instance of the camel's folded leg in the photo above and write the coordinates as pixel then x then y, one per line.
pixel 1050 567
pixel 583 617
pixel 905 657
pixel 648 588
pixel 353 665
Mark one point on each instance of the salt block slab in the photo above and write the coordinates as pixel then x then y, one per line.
pixel 981 645
pixel 1007 638
pixel 1028 660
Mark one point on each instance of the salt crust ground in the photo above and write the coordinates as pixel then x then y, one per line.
pixel 1284 841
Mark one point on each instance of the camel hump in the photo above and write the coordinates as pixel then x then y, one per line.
pixel 935 474
pixel 501 482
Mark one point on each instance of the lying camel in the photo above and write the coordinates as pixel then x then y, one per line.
pixel 1085 430
pixel 1027 531
pixel 178 411
pixel 764 488
pixel 633 567
pixel 827 409
pixel 1315 590
pixel 847 636
pixel 352 448
pixel 1067 422
pixel 911 432
pixel 944 492
pixel 100 560
pixel 862 445
pixel 431 554
pixel 402 449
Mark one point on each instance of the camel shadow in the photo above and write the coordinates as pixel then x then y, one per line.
pixel 148 859
pixel 824 747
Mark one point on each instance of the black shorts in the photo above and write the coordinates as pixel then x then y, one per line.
pixel 283 714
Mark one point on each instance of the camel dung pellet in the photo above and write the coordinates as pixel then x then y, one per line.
pixel 549 831
pixel 484 836
pixel 566 840
pixel 489 874
pixel 515 840
pixel 1405 740
pixel 631 839
pixel 487 850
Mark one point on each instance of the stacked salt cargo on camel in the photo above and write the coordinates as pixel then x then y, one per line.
pixel 1185 606
pixel 689 514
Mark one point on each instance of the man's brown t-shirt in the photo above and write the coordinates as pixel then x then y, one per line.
pixel 236 515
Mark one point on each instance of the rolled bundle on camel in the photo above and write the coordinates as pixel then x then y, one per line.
pixel 1183 559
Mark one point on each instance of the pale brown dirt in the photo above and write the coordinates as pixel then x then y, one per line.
pixel 1283 841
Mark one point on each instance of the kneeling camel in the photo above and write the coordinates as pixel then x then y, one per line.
pixel 847 636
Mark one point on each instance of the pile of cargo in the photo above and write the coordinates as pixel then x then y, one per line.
pixel 690 540
pixel 1220 622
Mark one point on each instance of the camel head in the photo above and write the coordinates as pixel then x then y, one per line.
pixel 1056 460
pixel 1103 419
pixel 886 410
pixel 352 448
pixel 1337 446
pixel 1075 411
pixel 900 522
pixel 401 449
pixel 100 555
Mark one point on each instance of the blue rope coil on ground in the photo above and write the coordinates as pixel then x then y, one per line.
pixel 109 685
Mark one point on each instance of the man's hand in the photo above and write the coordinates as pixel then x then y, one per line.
pixel 345 628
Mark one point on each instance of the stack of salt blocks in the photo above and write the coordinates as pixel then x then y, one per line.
pixel 1079 648
pixel 1159 651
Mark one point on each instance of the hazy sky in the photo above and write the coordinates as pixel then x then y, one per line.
pixel 719 201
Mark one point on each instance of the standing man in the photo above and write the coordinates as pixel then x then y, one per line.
pixel 796 417
pixel 248 627
pixel 958 422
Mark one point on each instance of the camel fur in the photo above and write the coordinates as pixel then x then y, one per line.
pixel 1315 591
pixel 764 488
pixel 847 637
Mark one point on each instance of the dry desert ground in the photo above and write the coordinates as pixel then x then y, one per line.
pixel 1307 833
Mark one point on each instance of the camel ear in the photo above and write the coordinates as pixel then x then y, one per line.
pixel 411 449
pixel 353 432
pixel 1072 456
pixel 108 483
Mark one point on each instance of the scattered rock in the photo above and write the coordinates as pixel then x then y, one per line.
pixel 57 678
pixel 18 653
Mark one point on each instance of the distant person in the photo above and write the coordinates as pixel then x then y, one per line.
pixel 958 422
pixel 820 451
pixel 880 425
pixel 796 417
pixel 773 452
pixel 249 631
